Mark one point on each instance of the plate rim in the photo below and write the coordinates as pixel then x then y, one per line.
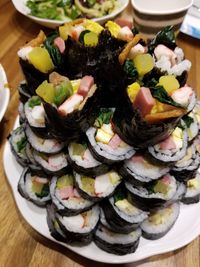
pixel 115 258
pixel 5 92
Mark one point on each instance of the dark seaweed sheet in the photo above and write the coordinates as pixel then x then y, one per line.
pixel 70 127
pixel 132 128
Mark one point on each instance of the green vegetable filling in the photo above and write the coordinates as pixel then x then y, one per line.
pixel 103 118
pixel 21 144
pixel 34 101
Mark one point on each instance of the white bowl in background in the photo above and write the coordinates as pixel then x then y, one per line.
pixel 152 15
pixel 4 92
pixel 50 23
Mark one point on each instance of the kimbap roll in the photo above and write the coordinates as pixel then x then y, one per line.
pixel 153 194
pixel 49 146
pixel 69 105
pixel 82 161
pixel 18 141
pixel 122 215
pixel 52 164
pixel 79 229
pixel 65 196
pixel 35 115
pixel 98 187
pixel 116 243
pixel 53 225
pixel 192 194
pixel 185 168
pixel 138 170
pixel 34 188
pixel 171 149
pixel 105 145
pixel 160 222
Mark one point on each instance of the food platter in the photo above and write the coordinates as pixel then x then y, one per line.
pixel 23 9
pixel 4 92
pixel 186 228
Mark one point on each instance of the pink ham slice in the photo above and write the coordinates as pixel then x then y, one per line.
pixel 137 159
pixel 66 192
pixel 60 43
pixel 125 34
pixel 85 85
pixel 124 22
pixel 70 104
pixel 115 141
pixel 167 144
pixel 144 101
pixel 182 95
pixel 166 179
pixel 76 32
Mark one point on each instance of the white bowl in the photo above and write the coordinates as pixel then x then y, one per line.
pixel 151 16
pixel 50 23
pixel 4 92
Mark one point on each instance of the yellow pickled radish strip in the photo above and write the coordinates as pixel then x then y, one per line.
pixel 40 59
pixel 75 85
pixel 64 32
pixel 113 28
pixel 46 91
pixel 144 63
pixel 132 90
pixel 170 83
pixel 90 39
pixel 93 26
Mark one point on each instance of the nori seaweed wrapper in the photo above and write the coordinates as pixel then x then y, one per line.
pixel 135 131
pixel 33 76
pixel 54 227
pixel 70 127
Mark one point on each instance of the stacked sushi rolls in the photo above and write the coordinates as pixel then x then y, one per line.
pixel 109 134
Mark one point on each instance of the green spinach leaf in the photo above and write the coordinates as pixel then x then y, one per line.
pixel 130 69
pixel 44 192
pixel 21 144
pixel 161 95
pixel 165 37
pixel 188 120
pixel 34 101
pixel 53 51
pixel 103 118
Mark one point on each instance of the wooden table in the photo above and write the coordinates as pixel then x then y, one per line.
pixel 20 245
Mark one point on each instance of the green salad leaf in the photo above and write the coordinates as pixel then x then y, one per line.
pixel 34 101
pixel 103 118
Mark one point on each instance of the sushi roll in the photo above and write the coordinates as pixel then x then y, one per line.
pixel 160 222
pixel 171 149
pixel 122 215
pixel 34 188
pixel 24 93
pixel 191 125
pixel 185 168
pixel 139 170
pixel 66 198
pixel 99 187
pixel 18 141
pixel 192 194
pixel 116 243
pixel 22 116
pixel 79 229
pixel 35 115
pixel 36 62
pixel 54 227
pixel 153 194
pixel 105 145
pixel 49 146
pixel 82 161
pixel 70 106
pixel 52 164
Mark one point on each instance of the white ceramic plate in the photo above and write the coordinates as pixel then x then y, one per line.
pixel 4 92
pixel 186 228
pixel 23 9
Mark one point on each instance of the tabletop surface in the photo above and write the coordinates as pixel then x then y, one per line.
pixel 20 245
